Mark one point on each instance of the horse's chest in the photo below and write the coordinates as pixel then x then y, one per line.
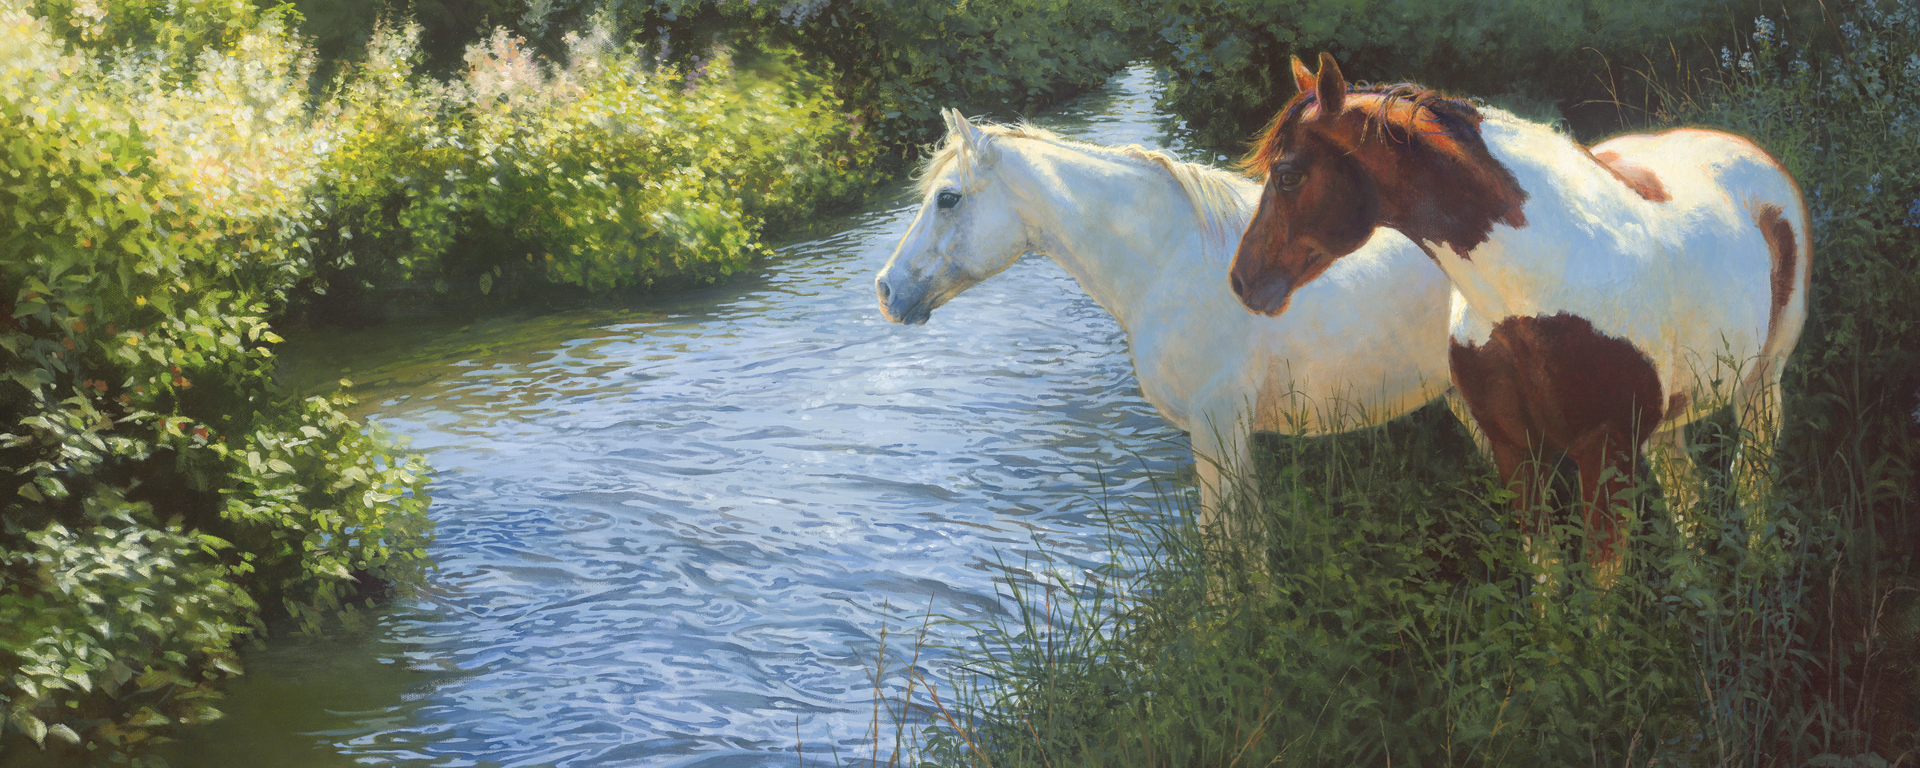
pixel 1552 382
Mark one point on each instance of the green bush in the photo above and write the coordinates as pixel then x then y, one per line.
pixel 1230 72
pixel 901 62
pixel 178 28
pixel 892 63
pixel 568 158
pixel 163 498
pixel 602 173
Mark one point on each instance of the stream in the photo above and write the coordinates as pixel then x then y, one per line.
pixel 672 535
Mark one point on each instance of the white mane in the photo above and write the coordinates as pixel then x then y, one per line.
pixel 1221 211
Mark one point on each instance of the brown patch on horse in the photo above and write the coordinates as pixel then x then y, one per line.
pixel 1779 235
pixel 1641 179
pixel 1547 385
pixel 1441 185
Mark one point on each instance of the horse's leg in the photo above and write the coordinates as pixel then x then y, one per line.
pixel 1223 470
pixel 1229 509
pixel 1679 479
pixel 1458 404
pixel 1521 472
pixel 1756 413
pixel 1606 458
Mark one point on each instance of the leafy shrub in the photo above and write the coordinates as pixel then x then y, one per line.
pixel 1229 59
pixel 892 63
pixel 163 497
pixel 901 62
pixel 603 173
pixel 177 28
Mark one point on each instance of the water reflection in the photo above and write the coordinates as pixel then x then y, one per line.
pixel 672 536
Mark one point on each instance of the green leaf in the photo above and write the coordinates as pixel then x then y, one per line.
pixel 31 726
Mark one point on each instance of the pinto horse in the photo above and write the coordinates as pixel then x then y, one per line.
pixel 1600 295
pixel 1147 236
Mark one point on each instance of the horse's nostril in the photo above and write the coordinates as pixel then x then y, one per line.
pixel 884 290
pixel 1239 288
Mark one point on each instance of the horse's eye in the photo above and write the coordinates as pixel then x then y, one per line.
pixel 946 200
pixel 1290 179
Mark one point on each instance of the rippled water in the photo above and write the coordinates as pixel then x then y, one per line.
pixel 673 537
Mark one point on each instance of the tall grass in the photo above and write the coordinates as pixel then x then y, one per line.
pixel 1397 616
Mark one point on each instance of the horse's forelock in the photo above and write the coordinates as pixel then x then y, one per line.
pixel 1274 141
pixel 951 151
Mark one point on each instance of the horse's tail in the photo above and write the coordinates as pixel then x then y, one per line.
pixel 1780 210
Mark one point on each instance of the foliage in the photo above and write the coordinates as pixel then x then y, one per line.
pixel 602 173
pixel 1230 71
pixel 892 63
pixel 1845 121
pixel 163 497
pixel 899 63
pixel 183 27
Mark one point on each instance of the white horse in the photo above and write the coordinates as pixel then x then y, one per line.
pixel 1149 237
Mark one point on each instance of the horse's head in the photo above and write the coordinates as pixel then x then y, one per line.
pixel 969 227
pixel 1339 164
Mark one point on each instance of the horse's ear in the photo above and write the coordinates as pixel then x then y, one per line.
pixel 1301 77
pixel 974 138
pixel 1332 87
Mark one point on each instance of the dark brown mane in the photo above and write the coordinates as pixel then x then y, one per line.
pixel 1457 118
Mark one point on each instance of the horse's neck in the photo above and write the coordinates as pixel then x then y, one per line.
pixel 1121 229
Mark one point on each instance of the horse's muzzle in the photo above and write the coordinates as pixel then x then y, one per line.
pixel 1267 295
pixel 899 308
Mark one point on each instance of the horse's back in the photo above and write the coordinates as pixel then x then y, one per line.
pixel 1714 164
pixel 1739 217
